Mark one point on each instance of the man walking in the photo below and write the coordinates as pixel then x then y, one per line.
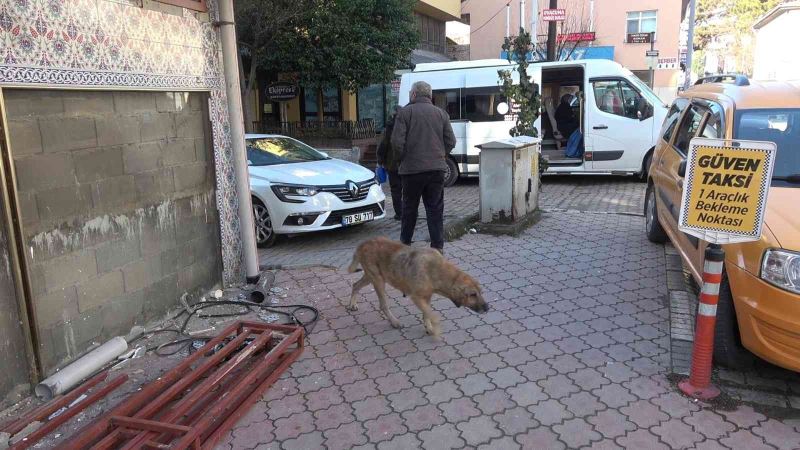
pixel 387 159
pixel 422 138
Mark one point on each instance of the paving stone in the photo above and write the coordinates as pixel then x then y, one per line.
pixel 475 384
pixel 641 439
pixel 527 394
pixel 504 443
pixel 407 399
pixel 443 437
pixel 293 426
pixel 442 391
pixel 371 408
pixel 582 404
pixel 550 412
pixel 539 439
pixel 478 430
pixel 359 390
pixel 644 414
pixel 777 434
pixel 334 416
pixel 677 434
pixel 459 409
pixel 576 433
pixel 744 439
pixel 402 442
pixel 614 395
pixel 305 442
pixel 384 427
pixel 558 386
pixel 423 418
pixel 506 377
pixel 345 437
pixel 493 402
pixel 709 424
pixel 611 423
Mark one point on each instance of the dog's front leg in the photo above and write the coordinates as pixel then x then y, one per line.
pixel 429 317
pixel 353 306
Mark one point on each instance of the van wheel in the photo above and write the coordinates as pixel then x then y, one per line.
pixel 728 349
pixel 655 232
pixel 451 175
pixel 648 158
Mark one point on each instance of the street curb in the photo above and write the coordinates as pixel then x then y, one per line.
pixel 682 310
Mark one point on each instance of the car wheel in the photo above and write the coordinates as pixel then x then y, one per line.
pixel 728 348
pixel 451 175
pixel 655 232
pixel 265 235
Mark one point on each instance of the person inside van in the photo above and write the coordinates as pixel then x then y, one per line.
pixel 611 102
pixel 566 120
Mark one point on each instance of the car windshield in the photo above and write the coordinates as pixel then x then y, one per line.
pixel 781 126
pixel 646 91
pixel 279 150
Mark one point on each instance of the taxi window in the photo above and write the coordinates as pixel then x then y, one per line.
pixel 688 128
pixel 671 121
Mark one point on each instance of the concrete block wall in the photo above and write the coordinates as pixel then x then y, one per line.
pixel 117 198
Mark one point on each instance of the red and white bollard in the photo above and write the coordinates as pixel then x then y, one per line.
pixel 699 383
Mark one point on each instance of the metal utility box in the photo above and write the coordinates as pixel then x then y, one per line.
pixel 509 179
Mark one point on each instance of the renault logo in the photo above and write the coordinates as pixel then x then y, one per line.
pixel 352 188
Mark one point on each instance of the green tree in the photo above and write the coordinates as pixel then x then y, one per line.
pixel 733 21
pixel 331 43
pixel 523 96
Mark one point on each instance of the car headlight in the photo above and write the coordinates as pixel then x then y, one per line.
pixel 782 268
pixel 283 191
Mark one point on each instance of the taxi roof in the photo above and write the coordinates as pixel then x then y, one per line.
pixel 756 95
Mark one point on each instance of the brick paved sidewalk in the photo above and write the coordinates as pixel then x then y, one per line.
pixel 573 355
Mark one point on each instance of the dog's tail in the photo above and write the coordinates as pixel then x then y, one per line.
pixel 354 264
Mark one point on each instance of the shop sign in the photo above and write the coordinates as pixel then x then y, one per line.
pixel 554 15
pixel 395 87
pixel 727 183
pixel 282 91
pixel 576 37
pixel 637 38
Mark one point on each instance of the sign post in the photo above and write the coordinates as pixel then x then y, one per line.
pixel 724 201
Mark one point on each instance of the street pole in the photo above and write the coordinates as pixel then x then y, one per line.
pixel 591 20
pixel 230 63
pixel 652 47
pixel 551 34
pixel 521 14
pixel 508 19
pixel 689 46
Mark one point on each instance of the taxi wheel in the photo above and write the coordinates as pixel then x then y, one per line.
pixel 655 232
pixel 728 349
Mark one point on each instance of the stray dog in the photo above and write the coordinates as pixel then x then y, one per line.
pixel 418 272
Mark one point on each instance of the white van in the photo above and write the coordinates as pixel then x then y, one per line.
pixel 618 114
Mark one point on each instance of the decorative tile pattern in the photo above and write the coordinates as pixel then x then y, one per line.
pixel 121 45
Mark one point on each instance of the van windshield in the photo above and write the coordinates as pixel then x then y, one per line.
pixel 781 126
pixel 646 91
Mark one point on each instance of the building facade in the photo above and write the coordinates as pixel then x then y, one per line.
pixel 118 196
pixel 771 59
pixel 620 32
pixel 375 102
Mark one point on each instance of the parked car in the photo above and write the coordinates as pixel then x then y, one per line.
pixel 617 113
pixel 759 299
pixel 297 189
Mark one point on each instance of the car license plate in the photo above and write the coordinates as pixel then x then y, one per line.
pixel 353 219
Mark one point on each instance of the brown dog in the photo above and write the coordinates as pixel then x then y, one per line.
pixel 417 272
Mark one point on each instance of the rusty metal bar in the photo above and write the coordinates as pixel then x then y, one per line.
pixel 196 393
pixel 87 435
pixel 149 425
pixel 230 400
pixel 62 418
pixel 44 411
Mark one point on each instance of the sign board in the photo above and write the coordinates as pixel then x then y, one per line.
pixel 725 193
pixel 637 38
pixel 576 37
pixel 281 91
pixel 651 61
pixel 668 64
pixel 651 53
pixel 395 86
pixel 554 15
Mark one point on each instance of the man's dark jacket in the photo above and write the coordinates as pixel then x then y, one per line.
pixel 422 137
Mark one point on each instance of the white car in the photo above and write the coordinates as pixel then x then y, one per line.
pixel 297 189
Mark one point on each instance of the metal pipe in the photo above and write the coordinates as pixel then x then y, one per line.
pixel 521 15
pixel 689 46
pixel 81 368
pixel 591 16
pixel 236 121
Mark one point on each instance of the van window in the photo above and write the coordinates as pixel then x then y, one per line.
pixel 688 128
pixel 450 101
pixel 618 97
pixel 480 104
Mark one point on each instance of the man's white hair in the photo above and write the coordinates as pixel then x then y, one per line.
pixel 421 89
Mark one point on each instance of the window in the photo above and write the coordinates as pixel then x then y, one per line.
pixel 781 126
pixel 672 118
pixel 641 22
pixel 688 128
pixel 371 104
pixel 465 18
pixel 450 101
pixel 432 33
pixel 480 104
pixel 714 127
pixel 330 101
pixel 283 150
pixel 618 97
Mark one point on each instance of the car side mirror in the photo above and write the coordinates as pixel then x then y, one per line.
pixel 639 115
pixel 682 169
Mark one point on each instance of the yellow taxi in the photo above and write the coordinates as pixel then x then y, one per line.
pixel 759 302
